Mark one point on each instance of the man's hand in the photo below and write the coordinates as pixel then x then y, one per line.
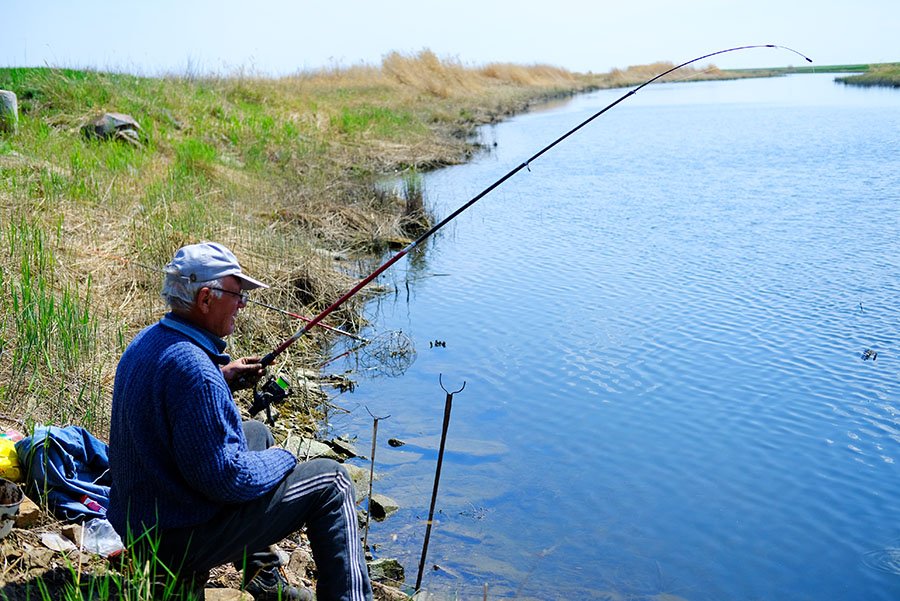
pixel 243 373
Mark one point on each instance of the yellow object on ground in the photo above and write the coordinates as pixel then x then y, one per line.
pixel 9 460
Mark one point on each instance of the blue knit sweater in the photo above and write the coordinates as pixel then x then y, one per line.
pixel 177 450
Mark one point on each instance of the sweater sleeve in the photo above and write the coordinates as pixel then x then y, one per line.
pixel 208 439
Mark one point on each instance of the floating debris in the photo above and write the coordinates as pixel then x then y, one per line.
pixel 869 354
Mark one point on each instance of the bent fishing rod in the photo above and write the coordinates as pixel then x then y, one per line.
pixel 266 360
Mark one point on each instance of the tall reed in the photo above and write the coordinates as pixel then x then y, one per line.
pixel 51 325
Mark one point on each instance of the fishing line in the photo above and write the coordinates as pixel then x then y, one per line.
pixel 525 165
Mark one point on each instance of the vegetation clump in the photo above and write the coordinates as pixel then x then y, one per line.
pixel 887 75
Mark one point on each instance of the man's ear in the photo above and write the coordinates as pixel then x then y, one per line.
pixel 204 296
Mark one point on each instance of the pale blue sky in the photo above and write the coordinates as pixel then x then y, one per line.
pixel 277 37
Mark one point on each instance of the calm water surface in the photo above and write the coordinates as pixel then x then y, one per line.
pixel 660 329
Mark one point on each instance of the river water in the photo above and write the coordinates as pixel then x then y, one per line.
pixel 661 329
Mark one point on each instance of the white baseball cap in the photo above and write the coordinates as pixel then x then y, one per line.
pixel 209 261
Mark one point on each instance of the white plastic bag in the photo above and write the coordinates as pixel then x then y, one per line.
pixel 99 537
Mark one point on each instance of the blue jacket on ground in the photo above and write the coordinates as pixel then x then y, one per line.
pixel 68 470
pixel 177 450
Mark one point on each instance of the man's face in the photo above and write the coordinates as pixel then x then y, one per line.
pixel 222 311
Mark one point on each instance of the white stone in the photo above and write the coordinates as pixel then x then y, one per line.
pixel 9 112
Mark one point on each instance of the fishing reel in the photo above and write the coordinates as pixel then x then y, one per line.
pixel 273 391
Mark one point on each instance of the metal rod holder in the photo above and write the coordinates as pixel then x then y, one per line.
pixel 448 405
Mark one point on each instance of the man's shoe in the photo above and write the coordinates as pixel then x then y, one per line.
pixel 270 585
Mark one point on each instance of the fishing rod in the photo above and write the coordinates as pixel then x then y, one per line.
pixel 266 360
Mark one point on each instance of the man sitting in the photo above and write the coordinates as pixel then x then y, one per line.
pixel 190 480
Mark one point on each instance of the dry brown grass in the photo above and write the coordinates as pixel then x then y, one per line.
pixel 427 73
pixel 640 73
pixel 534 75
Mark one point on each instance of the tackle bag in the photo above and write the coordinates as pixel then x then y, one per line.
pixel 67 469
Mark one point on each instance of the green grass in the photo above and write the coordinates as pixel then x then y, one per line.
pixel 865 74
pixel 51 329
pixel 135 578
pixel 194 158
pixel 377 121
pixel 814 68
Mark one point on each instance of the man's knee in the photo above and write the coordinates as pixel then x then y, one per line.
pixel 258 435
pixel 327 473
pixel 323 466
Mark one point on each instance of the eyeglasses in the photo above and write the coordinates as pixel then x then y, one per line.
pixel 245 298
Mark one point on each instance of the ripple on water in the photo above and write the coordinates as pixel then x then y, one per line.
pixel 883 560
